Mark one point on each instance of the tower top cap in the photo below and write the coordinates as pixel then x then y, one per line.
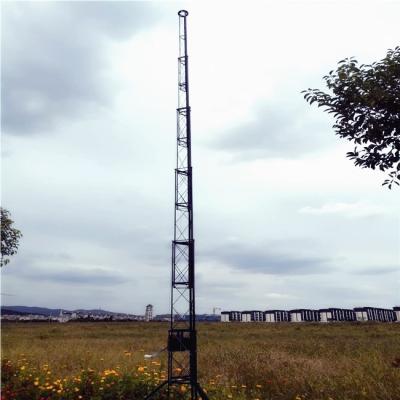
pixel 183 13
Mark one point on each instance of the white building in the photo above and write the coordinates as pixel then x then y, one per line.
pixel 252 316
pixel 397 313
pixel 231 316
pixel 269 317
pixel 148 316
pixel 304 315
pixel 336 314
pixel 246 316
pixel 295 316
pixel 375 314
pixel 276 316
pixel 225 316
pixel 63 317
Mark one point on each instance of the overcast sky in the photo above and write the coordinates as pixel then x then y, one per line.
pixel 282 218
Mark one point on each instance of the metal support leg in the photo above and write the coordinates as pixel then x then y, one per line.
pixel 201 392
pixel 157 389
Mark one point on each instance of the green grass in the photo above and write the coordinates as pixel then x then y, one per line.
pixel 239 361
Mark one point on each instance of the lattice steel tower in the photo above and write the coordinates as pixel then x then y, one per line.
pixel 182 343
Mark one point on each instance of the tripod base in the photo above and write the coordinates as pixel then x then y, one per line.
pixel 198 390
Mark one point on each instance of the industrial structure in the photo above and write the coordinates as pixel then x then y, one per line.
pixel 358 314
pixel 182 343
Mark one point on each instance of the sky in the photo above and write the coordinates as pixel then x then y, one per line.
pixel 282 219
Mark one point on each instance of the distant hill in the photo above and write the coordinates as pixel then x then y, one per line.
pixel 5 310
pixel 49 311
pixel 30 310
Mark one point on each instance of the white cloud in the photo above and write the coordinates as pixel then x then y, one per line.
pixel 281 296
pixel 350 210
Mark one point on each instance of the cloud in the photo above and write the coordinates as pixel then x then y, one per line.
pixel 283 296
pixel 91 276
pixel 378 270
pixel 63 271
pixel 45 265
pixel 268 260
pixel 54 59
pixel 279 129
pixel 349 210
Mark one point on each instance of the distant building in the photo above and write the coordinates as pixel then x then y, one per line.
pixel 336 314
pixel 231 316
pixel 252 316
pixel 358 314
pixel 304 315
pixel 246 316
pixel 276 316
pixel 63 317
pixel 148 316
pixel 375 314
pixel 225 316
pixel 396 310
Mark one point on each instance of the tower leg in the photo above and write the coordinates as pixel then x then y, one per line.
pixel 156 390
pixel 201 392
pixel 196 390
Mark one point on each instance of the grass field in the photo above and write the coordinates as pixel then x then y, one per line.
pixel 236 361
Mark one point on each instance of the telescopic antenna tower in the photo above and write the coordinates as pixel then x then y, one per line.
pixel 182 343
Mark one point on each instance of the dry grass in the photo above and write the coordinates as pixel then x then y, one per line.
pixel 280 361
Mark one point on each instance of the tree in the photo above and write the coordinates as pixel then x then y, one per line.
pixel 9 237
pixel 365 102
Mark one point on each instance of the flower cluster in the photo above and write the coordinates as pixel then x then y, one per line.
pixel 22 380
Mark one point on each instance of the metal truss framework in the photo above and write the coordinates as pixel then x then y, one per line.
pixel 182 342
